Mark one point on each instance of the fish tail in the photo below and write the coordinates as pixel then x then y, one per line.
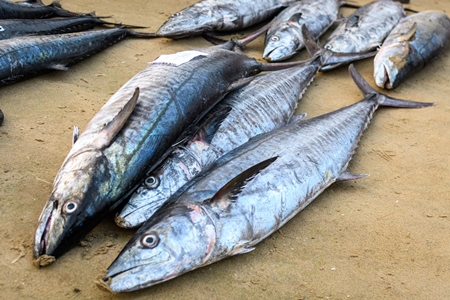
pixel 383 99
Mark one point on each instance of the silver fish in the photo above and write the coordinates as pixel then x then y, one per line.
pixel 23 57
pixel 284 36
pixel 262 185
pixel 365 29
pixel 219 15
pixel 415 40
pixel 131 132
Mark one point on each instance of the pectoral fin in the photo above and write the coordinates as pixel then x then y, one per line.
pixel 231 190
pixel 409 34
pixel 110 130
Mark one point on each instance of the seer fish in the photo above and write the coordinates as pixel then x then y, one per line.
pixel 365 29
pixel 263 184
pixel 132 131
pixel 416 40
pixel 26 56
pixel 284 37
pixel 32 9
pixel 265 104
pixel 219 15
pixel 10 28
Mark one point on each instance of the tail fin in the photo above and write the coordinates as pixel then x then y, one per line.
pixel 384 100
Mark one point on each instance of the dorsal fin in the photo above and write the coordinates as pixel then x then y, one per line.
pixel 109 131
pixel 234 187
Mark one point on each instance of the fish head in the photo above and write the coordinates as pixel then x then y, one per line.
pixel 282 44
pixel 180 239
pixel 70 209
pixel 185 23
pixel 390 63
pixel 148 198
pixel 179 168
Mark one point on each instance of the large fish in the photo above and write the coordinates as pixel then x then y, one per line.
pixel 10 28
pixel 219 15
pixel 266 103
pixel 32 9
pixel 250 193
pixel 131 132
pixel 284 37
pixel 23 57
pixel 366 28
pixel 415 40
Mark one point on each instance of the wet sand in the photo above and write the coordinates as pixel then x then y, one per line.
pixel 386 236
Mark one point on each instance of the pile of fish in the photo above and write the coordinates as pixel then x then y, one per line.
pixel 32 41
pixel 207 156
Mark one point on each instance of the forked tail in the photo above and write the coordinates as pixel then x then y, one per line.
pixel 384 100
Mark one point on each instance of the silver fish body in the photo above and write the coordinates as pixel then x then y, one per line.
pixel 265 104
pixel 26 56
pixel 10 28
pixel 415 40
pixel 219 15
pixel 123 140
pixel 284 36
pixel 264 183
pixel 366 28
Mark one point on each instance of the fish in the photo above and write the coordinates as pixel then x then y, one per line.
pixel 284 37
pixel 27 56
pixel 266 103
pixel 32 9
pixel 366 28
pixel 10 28
pixel 132 131
pixel 2 117
pixel 262 185
pixel 416 40
pixel 219 15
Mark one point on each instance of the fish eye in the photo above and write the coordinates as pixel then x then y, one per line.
pixel 151 182
pixel 275 38
pixel 150 240
pixel 176 15
pixel 70 207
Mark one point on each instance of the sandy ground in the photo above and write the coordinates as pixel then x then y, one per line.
pixel 386 236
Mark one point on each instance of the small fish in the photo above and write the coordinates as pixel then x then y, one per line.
pixel 2 117
pixel 366 28
pixel 10 28
pixel 249 193
pixel 23 57
pixel 135 129
pixel 284 37
pixel 415 41
pixel 32 9
pixel 266 103
pixel 219 15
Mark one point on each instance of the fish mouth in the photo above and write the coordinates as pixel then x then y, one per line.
pixel 387 84
pixel 42 246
